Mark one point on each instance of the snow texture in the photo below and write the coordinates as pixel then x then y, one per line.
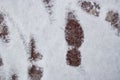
pixel 100 51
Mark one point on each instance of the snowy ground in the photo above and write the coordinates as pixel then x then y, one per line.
pixel 100 51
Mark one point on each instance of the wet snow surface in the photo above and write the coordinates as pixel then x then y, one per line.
pixel 38 40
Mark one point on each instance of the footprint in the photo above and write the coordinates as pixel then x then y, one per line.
pixel 74 37
pixel 35 72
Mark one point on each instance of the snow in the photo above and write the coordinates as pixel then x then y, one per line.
pixel 25 18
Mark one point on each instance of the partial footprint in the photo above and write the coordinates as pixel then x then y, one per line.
pixel 4 33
